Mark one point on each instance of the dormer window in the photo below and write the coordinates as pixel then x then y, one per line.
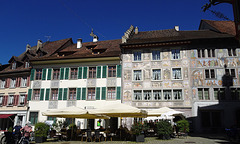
pixel 14 65
pixel 26 64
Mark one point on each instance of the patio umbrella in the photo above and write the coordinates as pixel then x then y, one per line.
pixel 120 110
pixel 73 112
pixel 163 110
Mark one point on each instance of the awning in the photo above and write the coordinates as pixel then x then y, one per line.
pixel 5 115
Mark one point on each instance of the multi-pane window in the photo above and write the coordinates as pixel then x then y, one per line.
pixel 177 94
pixel 33 117
pixel 137 75
pixel 54 94
pixel 211 52
pixel 111 71
pixel 14 65
pixel 176 73
pixel 137 95
pixel 156 55
pixel 73 73
pixel 92 72
pixel 72 94
pixel 10 99
pixel 22 99
pixel 157 94
pixel 210 73
pixel 56 74
pixel 91 94
pixel 26 64
pixel 231 72
pixel 111 93
pixel 137 56
pixel 201 53
pixel 13 83
pixel 176 54
pixel 232 52
pixel 219 93
pixel 203 94
pixel 24 82
pixel 167 94
pixel 38 75
pixel 156 74
pixel 3 82
pixel 36 94
pixel 235 94
pixel 147 95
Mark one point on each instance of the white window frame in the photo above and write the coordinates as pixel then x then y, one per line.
pixel 137 94
pixel 181 94
pixel 141 75
pixel 147 95
pixel 154 96
pixel 210 76
pixel 169 96
pixel 13 83
pixel 10 99
pixel 137 60
pixel 172 76
pixel 112 95
pixel 202 51
pixel 203 94
pixel 160 75
pixel 174 54
pixel 24 82
pixel 212 53
pixel 232 52
pixel 22 99
pixel 1 99
pixel 3 82
pixel 160 55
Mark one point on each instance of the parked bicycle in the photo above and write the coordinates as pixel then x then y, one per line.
pixel 7 138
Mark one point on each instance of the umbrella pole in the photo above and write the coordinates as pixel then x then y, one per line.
pixel 72 130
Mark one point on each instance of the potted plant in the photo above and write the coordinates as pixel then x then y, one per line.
pixel 183 126
pixel 41 132
pixel 164 130
pixel 138 130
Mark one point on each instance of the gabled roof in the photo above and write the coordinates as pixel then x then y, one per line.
pixel 14 58
pixel 220 26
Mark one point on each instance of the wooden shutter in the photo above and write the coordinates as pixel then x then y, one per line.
pixel 119 70
pixel 118 93
pixel 28 81
pixel 104 93
pixel 83 93
pixel 25 100
pixel 98 71
pixel 79 72
pixel 85 69
pixel 104 72
pixel 5 100
pixel 61 73
pixel 42 94
pixel 47 94
pixel 98 93
pixel 7 83
pixel 65 93
pixel 29 94
pixel 15 102
pixel 44 72
pixel 32 74
pixel 60 93
pixel 19 81
pixel 49 76
pixel 66 73
pixel 78 93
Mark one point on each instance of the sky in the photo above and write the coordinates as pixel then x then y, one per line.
pixel 25 22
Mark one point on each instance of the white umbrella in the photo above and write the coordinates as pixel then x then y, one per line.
pixel 163 110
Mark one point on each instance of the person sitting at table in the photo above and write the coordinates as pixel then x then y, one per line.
pixel 101 128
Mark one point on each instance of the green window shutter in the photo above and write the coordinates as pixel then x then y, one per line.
pixel 61 73
pixel 104 72
pixel 65 93
pixel 66 73
pixel 29 94
pixel 44 71
pixel 32 74
pixel 60 93
pixel 98 93
pixel 119 70
pixel 79 72
pixel 118 93
pixel 78 93
pixel 83 93
pixel 42 94
pixel 98 71
pixel 85 69
pixel 49 76
pixel 103 93
pixel 47 94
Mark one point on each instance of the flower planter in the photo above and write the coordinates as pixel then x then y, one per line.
pixel 140 138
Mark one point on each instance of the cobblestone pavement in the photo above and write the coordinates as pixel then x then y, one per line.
pixel 153 140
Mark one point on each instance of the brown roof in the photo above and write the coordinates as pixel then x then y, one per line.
pixel 171 35
pixel 223 26
pixel 108 48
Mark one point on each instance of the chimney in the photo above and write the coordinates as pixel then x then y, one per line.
pixel 28 47
pixel 79 43
pixel 136 30
pixel 176 28
pixel 39 44
pixel 95 38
